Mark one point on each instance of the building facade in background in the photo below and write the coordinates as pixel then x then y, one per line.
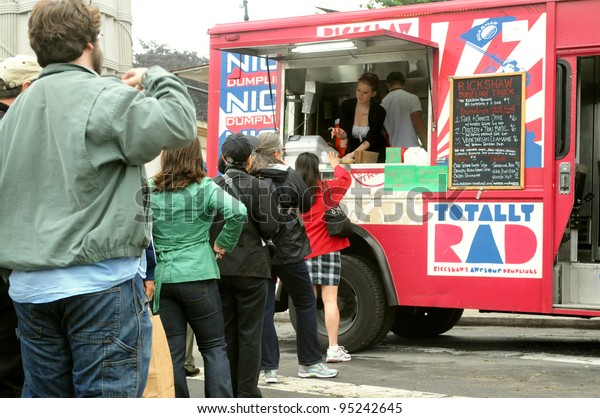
pixel 117 43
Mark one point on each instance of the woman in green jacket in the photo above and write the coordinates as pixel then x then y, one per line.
pixel 184 202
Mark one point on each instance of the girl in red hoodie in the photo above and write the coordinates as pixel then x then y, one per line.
pixel 324 262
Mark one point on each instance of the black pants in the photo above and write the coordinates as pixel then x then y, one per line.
pixel 11 368
pixel 296 279
pixel 243 300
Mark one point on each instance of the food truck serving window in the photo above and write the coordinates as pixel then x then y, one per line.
pixel 317 74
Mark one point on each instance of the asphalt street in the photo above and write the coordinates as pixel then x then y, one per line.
pixel 483 356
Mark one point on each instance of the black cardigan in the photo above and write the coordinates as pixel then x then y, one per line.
pixel 375 136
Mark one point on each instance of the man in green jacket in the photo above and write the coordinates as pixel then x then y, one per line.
pixel 73 214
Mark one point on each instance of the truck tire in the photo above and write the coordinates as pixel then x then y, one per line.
pixel 414 321
pixel 365 317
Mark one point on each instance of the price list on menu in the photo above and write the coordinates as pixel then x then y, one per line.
pixel 487 131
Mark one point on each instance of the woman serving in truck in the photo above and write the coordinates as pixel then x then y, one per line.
pixel 361 120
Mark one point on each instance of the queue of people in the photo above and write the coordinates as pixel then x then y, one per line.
pixel 256 200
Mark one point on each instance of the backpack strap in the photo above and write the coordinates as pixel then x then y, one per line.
pixel 274 192
pixel 233 188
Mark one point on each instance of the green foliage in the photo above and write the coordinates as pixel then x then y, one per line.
pixel 166 57
pixel 373 4
pixel 172 59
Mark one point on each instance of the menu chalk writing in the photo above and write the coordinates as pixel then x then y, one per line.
pixel 487 131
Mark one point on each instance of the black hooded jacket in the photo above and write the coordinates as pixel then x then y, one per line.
pixel 291 243
pixel 250 257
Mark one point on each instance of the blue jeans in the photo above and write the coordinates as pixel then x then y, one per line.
pixel 92 345
pixel 199 304
pixel 297 282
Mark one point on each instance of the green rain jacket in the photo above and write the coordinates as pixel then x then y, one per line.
pixel 181 224
pixel 72 154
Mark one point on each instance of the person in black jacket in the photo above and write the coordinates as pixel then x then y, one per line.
pixel 288 265
pixel 361 120
pixel 246 270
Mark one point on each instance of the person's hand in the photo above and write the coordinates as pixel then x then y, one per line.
pixel 219 252
pixel 333 159
pixel 340 133
pixel 149 288
pixel 349 156
pixel 133 77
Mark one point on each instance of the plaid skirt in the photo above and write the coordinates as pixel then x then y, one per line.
pixel 325 269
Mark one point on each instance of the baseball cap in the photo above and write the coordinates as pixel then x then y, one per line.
pixel 395 76
pixel 238 147
pixel 14 71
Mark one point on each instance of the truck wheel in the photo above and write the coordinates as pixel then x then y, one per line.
pixel 365 317
pixel 424 322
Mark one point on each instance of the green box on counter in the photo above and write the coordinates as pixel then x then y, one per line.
pixel 415 177
pixel 393 154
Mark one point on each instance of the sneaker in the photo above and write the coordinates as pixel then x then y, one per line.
pixel 270 376
pixel 337 355
pixel 317 370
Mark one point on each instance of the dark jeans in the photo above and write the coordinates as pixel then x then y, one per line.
pixel 297 282
pixel 91 345
pixel 199 304
pixel 243 301
pixel 269 342
pixel 11 368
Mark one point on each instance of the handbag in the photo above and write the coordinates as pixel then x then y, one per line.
pixel 338 223
pixel 161 382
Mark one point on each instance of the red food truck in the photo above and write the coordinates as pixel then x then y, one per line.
pixel 504 214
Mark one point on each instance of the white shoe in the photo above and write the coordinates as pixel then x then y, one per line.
pixel 271 376
pixel 337 355
pixel 317 370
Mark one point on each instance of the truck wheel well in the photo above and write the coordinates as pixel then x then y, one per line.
pixel 366 248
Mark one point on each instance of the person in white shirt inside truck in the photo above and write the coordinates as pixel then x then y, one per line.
pixel 403 121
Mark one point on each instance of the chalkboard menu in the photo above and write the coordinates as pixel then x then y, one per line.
pixel 487 130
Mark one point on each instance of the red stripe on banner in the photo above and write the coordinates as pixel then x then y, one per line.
pixel 535 76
